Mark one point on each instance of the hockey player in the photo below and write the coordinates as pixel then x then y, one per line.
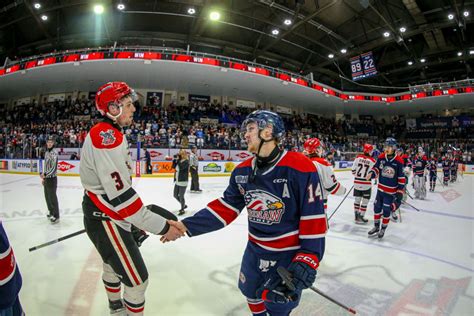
pixel 454 169
pixel 111 205
pixel 389 171
pixel 362 187
pixel 287 224
pixel 419 180
pixel 446 165
pixel 433 167
pixel 313 149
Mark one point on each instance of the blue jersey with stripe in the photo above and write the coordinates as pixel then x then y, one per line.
pixel 284 206
pixel 389 173
pixel 10 278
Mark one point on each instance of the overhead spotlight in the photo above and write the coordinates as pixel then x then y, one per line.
pixel 331 56
pixel 98 9
pixel 386 34
pixel 44 17
pixel 287 22
pixel 422 60
pixel 471 52
pixel 37 6
pixel 466 13
pixel 275 32
pixel 403 29
pixel 120 6
pixel 410 63
pixel 450 16
pixel 343 51
pixel 459 54
pixel 214 16
pixel 191 11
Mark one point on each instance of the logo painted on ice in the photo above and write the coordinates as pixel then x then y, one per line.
pixel 388 172
pixel 65 166
pixel 263 207
pixel 450 195
pixel 108 137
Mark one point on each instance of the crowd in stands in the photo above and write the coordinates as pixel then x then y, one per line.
pixel 25 129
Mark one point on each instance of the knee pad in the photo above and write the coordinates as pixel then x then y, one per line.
pixel 135 294
pixel 108 274
pixel 357 200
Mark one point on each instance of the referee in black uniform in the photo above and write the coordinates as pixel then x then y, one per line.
pixel 50 180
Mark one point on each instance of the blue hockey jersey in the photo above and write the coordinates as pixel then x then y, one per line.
pixel 10 278
pixel 432 166
pixel 284 205
pixel 446 165
pixel 389 173
pixel 419 165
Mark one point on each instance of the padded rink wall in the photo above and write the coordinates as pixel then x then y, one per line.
pixel 160 168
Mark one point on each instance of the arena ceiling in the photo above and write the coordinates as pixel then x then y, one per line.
pixel 435 36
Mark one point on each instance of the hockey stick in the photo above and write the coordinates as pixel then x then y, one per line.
pixel 341 202
pixel 57 240
pixel 288 281
pixel 408 193
pixel 400 213
pixel 404 202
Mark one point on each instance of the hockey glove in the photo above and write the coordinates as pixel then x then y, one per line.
pixel 303 268
pixel 139 235
pixel 397 201
pixel 273 290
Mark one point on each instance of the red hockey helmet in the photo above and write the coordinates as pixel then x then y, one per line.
pixel 368 148
pixel 310 145
pixel 111 93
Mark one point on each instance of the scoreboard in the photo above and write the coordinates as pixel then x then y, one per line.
pixel 363 66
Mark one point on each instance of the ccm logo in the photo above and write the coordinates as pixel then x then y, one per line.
pixel 308 260
pixel 100 214
pixel 280 181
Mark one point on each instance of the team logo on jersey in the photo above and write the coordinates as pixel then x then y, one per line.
pixel 388 172
pixel 265 265
pixel 108 137
pixel 263 207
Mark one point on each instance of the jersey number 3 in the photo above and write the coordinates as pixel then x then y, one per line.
pixel 116 176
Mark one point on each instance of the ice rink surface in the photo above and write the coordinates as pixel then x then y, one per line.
pixel 423 266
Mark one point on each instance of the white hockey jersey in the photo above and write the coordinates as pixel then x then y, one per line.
pixel 329 183
pixel 106 175
pixel 361 167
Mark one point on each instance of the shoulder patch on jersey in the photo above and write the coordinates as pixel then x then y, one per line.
pixel 297 161
pixel 322 161
pixel 104 135
pixel 246 163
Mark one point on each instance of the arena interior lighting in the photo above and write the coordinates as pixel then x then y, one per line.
pixel 215 16
pixel 191 11
pixel 450 16
pixel 275 32
pixel 331 56
pixel 37 6
pixel 98 9
pixel 343 51
pixel 422 60
pixel 403 29
pixel 410 63
pixel 44 17
pixel 120 6
pixel 287 22
pixel 386 34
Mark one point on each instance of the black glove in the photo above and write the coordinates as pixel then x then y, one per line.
pixel 273 290
pixel 139 235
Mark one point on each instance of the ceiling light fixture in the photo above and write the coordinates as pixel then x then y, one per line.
pixel 403 29
pixel 44 17
pixel 275 32
pixel 343 51
pixel 450 16
pixel 98 9
pixel 466 13
pixel 410 63
pixel 386 34
pixel 191 11
pixel 459 54
pixel 422 60
pixel 37 6
pixel 287 22
pixel 120 6
pixel 331 56
pixel 214 16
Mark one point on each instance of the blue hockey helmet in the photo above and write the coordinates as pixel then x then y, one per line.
pixel 391 142
pixel 264 118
